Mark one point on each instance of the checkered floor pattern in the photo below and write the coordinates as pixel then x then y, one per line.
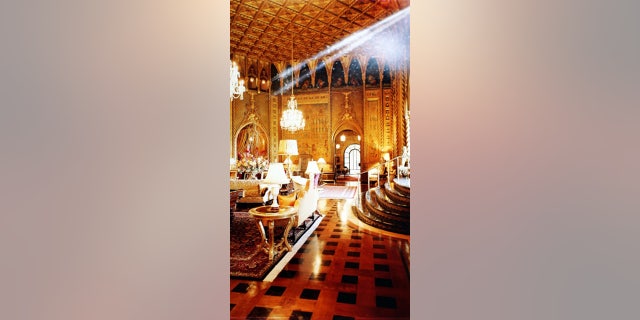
pixel 340 272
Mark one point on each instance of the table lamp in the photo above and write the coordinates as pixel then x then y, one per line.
pixel 275 178
pixel 312 170
pixel 288 147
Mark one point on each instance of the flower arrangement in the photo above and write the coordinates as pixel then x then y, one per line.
pixel 251 164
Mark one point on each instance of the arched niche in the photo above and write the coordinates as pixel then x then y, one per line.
pixel 251 138
pixel 304 81
pixel 372 78
pixel 275 78
pixel 355 74
pixel 322 79
pixel 337 75
pixel 386 76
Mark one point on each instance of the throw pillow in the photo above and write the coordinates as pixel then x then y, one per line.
pixel 253 191
pixel 288 200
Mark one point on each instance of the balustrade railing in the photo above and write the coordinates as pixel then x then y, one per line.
pixel 376 171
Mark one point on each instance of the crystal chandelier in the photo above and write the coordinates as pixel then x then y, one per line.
pixel 292 119
pixel 237 85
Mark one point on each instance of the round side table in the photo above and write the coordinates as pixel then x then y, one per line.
pixel 266 217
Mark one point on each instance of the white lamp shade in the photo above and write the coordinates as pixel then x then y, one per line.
pixel 312 168
pixel 321 161
pixel 288 147
pixel 276 174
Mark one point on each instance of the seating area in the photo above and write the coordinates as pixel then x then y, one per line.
pixel 255 193
pixel 252 193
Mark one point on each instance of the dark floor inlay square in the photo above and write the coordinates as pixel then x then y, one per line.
pixel 307 242
pixel 335 236
pixel 380 255
pixel 332 243
pixel 350 279
pixel 355 231
pixel 378 238
pixel 241 287
pixel 232 305
pixel 356 237
pixel 329 252
pixel 310 294
pixel 296 260
pixel 383 282
pixel 259 313
pixel 300 315
pixel 318 229
pixel 287 274
pixel 385 302
pixel 381 267
pixel 326 263
pixel 379 246
pixel 337 230
pixel 337 317
pixel 355 245
pixel 353 254
pixel 345 297
pixel 319 276
pixel 352 265
pixel 275 291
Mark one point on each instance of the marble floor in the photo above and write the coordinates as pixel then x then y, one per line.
pixel 343 271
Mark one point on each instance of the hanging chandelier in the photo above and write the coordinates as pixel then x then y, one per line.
pixel 292 119
pixel 237 85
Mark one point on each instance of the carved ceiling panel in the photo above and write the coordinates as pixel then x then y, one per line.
pixel 265 29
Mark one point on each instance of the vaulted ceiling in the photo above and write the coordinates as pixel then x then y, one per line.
pixel 267 29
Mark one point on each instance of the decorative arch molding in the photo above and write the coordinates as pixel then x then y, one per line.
pixel 345 125
pixel 346 62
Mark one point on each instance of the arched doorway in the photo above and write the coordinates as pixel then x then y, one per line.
pixel 352 158
pixel 347 156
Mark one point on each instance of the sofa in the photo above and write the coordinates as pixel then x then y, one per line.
pixel 253 193
pixel 307 196
pixel 304 198
pixel 256 193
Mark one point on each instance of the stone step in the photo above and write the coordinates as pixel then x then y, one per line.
pixel 396 197
pixel 386 207
pixel 388 204
pixel 372 205
pixel 403 189
pixel 380 224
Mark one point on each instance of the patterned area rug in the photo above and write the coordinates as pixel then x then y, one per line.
pixel 338 192
pixel 247 260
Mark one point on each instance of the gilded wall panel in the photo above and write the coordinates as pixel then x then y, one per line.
pixel 274 118
pixel 372 132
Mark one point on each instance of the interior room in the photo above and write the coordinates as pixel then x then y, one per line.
pixel 319 151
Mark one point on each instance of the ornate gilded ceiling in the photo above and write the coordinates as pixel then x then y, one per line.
pixel 263 29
